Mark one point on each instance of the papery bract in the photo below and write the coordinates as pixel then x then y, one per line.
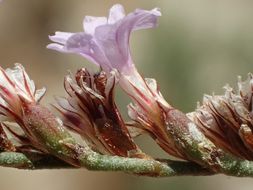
pixel 227 119
pixel 16 89
pixel 90 111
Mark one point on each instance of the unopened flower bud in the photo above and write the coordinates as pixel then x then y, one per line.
pixel 227 120
pixel 41 130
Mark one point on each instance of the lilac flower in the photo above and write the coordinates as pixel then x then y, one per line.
pixel 105 41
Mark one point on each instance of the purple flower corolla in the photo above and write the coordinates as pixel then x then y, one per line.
pixel 105 41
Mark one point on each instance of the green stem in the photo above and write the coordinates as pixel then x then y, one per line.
pixel 238 168
pixel 15 160
pixel 31 161
pixel 94 161
pixel 145 167
pixel 97 162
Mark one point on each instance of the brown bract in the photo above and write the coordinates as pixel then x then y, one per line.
pixel 227 120
pixel 90 111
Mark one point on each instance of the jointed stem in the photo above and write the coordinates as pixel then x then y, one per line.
pixel 95 161
pixel 137 166
pixel 31 161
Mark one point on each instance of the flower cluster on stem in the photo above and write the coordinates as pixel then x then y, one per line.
pixel 215 138
pixel 105 42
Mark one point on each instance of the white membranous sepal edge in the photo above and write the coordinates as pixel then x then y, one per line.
pixel 16 89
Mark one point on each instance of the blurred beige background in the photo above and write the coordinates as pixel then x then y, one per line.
pixel 199 46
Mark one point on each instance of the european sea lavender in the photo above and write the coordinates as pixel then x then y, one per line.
pixel 215 138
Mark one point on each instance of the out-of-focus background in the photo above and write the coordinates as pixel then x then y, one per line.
pixel 199 46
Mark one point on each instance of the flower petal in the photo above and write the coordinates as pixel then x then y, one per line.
pixel 84 44
pixel 140 19
pixel 145 19
pixel 106 42
pixel 116 13
pixel 60 37
pixel 106 38
pixel 90 23
pixel 57 47
pixel 114 39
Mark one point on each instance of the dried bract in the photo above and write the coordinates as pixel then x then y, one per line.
pixel 227 119
pixel 90 111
